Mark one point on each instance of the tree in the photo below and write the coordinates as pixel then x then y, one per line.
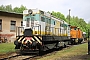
pixel 16 9
pixel 58 15
pixel 79 22
pixel 19 9
pixel 2 7
pixel 6 8
pixel 9 8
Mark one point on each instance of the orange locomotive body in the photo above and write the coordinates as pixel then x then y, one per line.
pixel 76 35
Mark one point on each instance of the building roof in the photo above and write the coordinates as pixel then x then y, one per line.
pixel 12 14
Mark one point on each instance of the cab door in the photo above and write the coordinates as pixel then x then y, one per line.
pixel 47 25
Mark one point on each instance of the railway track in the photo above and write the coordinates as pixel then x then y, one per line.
pixel 7 58
pixel 19 57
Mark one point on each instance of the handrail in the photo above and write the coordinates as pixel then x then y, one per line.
pixel 39 26
pixel 18 30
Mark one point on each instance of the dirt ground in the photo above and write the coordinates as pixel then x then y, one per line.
pixel 7 54
pixel 79 57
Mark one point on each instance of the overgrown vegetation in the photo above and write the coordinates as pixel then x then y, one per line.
pixel 6 48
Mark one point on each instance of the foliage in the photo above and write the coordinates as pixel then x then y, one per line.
pixel 10 9
pixel 88 25
pixel 19 10
pixel 58 15
pixel 6 8
pixel 79 22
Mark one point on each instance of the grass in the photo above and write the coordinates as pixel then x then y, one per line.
pixel 6 48
pixel 81 49
pixel 89 59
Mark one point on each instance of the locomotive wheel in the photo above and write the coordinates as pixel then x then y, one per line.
pixel 41 50
pixel 73 42
pixel 65 46
pixel 80 40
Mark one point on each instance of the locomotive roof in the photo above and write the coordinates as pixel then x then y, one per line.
pixel 73 27
pixel 35 11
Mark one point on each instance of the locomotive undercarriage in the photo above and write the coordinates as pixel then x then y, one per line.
pixel 76 41
pixel 30 48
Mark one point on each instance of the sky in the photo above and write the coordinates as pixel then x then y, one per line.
pixel 78 8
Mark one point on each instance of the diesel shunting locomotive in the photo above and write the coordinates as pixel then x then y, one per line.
pixel 41 31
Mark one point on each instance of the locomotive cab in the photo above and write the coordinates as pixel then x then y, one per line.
pixel 80 35
pixel 76 35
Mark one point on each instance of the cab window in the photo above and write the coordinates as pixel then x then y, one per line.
pixel 42 19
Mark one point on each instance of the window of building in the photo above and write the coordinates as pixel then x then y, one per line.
pixel 21 23
pixel 0 24
pixel 13 25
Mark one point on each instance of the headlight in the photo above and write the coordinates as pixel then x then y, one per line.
pixel 30 11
